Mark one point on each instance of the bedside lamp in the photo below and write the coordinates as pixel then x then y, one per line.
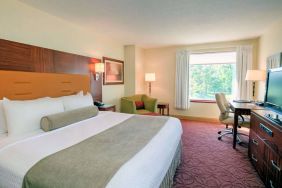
pixel 99 68
pixel 255 75
pixel 150 77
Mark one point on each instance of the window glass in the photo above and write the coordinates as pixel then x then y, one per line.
pixel 212 73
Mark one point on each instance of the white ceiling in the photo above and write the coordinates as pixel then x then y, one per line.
pixel 150 23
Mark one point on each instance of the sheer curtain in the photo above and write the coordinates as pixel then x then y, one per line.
pixel 244 63
pixel 182 100
pixel 274 61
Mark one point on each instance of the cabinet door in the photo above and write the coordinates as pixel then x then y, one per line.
pixel 256 154
pixel 274 168
pixel 273 179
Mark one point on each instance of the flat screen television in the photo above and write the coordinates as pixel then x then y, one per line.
pixel 273 95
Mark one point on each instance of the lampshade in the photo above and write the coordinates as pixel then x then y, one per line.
pixel 150 77
pixel 99 67
pixel 255 75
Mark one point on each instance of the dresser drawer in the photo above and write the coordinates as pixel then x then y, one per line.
pixel 256 150
pixel 270 134
pixel 255 142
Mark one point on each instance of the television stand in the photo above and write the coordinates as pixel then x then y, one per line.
pixel 265 146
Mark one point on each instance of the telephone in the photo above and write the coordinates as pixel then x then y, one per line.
pixel 98 103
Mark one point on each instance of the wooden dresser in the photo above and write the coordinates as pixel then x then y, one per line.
pixel 265 147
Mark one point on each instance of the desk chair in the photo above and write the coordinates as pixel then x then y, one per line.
pixel 227 118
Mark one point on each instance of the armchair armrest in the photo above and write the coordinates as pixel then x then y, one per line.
pixel 150 103
pixel 127 106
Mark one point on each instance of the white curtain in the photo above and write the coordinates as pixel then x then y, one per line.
pixel 274 61
pixel 182 100
pixel 244 63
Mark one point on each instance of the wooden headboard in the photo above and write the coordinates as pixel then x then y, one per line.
pixel 16 56
pixel 30 85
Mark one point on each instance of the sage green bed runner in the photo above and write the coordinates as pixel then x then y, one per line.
pixel 94 161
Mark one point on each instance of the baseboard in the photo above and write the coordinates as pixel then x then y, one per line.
pixel 196 118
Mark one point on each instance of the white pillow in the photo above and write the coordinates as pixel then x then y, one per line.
pixel 80 93
pixel 24 116
pixel 75 101
pixel 3 126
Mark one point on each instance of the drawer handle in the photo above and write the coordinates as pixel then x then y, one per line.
pixel 266 129
pixel 254 158
pixel 274 164
pixel 255 142
pixel 271 184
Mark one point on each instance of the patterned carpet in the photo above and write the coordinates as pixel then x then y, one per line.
pixel 207 162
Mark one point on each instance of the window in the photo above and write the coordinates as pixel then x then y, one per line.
pixel 211 73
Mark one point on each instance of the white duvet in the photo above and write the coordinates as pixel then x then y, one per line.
pixel 145 170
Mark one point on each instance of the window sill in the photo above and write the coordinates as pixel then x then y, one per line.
pixel 202 101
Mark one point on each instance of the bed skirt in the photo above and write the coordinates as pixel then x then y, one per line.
pixel 168 179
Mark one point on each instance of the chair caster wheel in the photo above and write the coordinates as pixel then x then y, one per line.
pixel 219 132
pixel 219 138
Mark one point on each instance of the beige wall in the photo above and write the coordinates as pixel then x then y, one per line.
pixel 22 23
pixel 270 43
pixel 162 61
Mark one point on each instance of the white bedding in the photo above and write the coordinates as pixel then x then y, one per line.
pixel 146 169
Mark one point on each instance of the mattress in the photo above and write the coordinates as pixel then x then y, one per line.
pixel 146 169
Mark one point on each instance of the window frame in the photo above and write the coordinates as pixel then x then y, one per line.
pixel 202 101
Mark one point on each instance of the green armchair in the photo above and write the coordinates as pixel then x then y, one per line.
pixel 128 104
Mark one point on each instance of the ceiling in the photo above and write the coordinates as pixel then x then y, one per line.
pixel 151 23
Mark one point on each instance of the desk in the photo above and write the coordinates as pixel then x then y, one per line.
pixel 241 109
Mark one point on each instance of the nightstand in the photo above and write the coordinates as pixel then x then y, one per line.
pixel 107 107
pixel 162 106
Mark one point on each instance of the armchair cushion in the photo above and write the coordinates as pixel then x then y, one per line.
pixel 143 112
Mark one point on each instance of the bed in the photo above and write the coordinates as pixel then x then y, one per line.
pixel 153 165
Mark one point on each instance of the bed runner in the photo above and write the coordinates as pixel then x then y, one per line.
pixel 94 161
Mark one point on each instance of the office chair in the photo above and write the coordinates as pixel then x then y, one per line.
pixel 227 118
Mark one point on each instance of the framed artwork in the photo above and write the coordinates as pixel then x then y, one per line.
pixel 114 71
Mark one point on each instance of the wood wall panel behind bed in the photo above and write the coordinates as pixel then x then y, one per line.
pixel 22 57
pixel 19 85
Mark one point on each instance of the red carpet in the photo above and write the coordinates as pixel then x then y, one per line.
pixel 208 162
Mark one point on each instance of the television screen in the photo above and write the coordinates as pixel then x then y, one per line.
pixel 273 96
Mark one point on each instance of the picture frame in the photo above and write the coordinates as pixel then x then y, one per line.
pixel 114 71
